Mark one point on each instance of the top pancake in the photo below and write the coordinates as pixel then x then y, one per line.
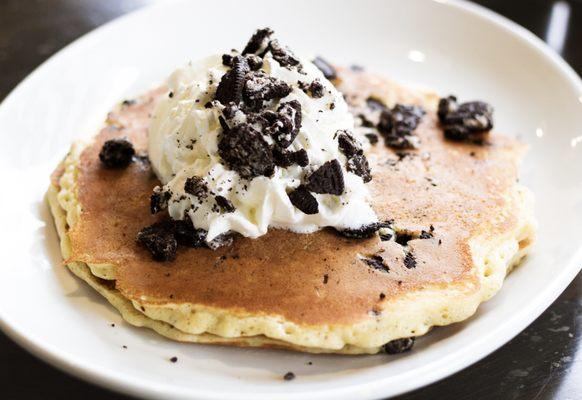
pixel 464 191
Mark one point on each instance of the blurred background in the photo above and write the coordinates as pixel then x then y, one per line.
pixel 541 363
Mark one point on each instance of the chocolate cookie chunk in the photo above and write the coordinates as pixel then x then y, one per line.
pixel 230 88
pixel 398 346
pixel 116 153
pixel 397 126
pixel 327 179
pixel 197 187
pixel 329 72
pixel 258 42
pixel 159 240
pixel 314 89
pixel 225 204
pixel 260 87
pixel 469 121
pixel 285 159
pixel 377 262
pixel 358 164
pixel 283 55
pixel 186 235
pixel 159 200
pixel 304 200
pixel 372 138
pixel 348 144
pixel 244 150
pixel 286 125
pixel 365 232
pixel 410 260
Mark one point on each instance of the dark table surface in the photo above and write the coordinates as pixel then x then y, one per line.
pixel 540 363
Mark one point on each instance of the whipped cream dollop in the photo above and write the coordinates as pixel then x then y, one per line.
pixel 245 142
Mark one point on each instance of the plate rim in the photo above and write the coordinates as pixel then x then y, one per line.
pixel 448 365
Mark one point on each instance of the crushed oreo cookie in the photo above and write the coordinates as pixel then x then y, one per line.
pixel 225 204
pixel 159 240
pixel 357 162
pixel 372 138
pixel 159 200
pixel 329 72
pixel 376 262
pixel 327 179
pixel 315 89
pixel 304 200
pixel 260 87
pixel 259 42
pixel 116 153
pixel 245 151
pixel 186 235
pixel 197 187
pixel 230 88
pixel 470 121
pixel 289 376
pixel 286 159
pixel 397 126
pixel 365 232
pixel 283 55
pixel 410 260
pixel 398 346
pixel 287 123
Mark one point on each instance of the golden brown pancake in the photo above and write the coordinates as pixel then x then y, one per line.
pixel 310 292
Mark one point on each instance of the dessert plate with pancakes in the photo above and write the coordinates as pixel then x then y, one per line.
pixel 313 200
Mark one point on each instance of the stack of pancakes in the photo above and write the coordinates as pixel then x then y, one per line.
pixel 316 292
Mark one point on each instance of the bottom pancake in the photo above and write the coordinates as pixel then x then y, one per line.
pixel 310 292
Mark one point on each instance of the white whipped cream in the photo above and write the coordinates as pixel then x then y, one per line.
pixel 183 142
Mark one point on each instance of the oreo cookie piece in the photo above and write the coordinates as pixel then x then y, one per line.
pixel 327 179
pixel 329 72
pixel 186 235
pixel 469 121
pixel 159 200
pixel 230 88
pixel 260 87
pixel 398 346
pixel 410 260
pixel 285 127
pixel 358 164
pixel 304 200
pixel 259 42
pixel 315 89
pixel 223 240
pixel 255 62
pixel 348 144
pixel 116 153
pixel 196 186
pixel 159 240
pixel 244 150
pixel 285 159
pixel 397 126
pixel 376 262
pixel 283 55
pixel 365 232
pixel 225 204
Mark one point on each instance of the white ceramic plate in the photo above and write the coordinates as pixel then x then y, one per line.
pixel 454 47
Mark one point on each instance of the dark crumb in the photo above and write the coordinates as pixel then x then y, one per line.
pixel 124 346
pixel 382 296
pixel 328 70
pixel 289 376
pixel 171 94
pixel 159 240
pixel 113 325
pixel 472 154
pixel 410 261
pixel 174 359
pixel 397 126
pixel 440 242
pixel 403 238
pixel 309 363
pixel 116 153
pixel 128 102
pixel 398 346
pixel 372 137
pixel 159 200
pixel 325 279
pixel 357 68
pixel 469 121
pixel 425 235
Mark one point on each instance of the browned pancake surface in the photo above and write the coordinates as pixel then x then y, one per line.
pixel 319 278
